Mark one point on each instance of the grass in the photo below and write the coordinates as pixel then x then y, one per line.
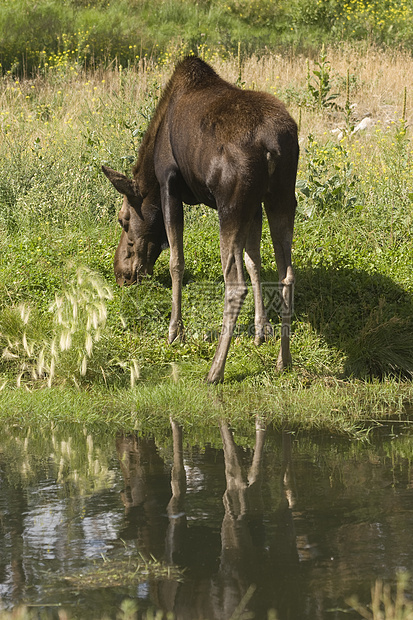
pixel 64 324
pixel 385 604
pixel 123 573
pixel 331 406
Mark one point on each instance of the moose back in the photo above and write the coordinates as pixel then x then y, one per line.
pixel 210 142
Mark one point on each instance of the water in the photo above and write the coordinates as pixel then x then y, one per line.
pixel 261 522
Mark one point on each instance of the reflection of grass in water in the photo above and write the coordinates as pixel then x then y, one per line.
pixel 80 462
pixel 128 611
pixel 124 572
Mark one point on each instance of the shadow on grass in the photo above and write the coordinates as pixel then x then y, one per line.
pixel 367 316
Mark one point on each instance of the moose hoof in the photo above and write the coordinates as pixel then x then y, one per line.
pixel 176 334
pixel 214 378
pixel 284 364
pixel 263 333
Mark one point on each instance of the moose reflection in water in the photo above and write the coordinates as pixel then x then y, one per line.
pixel 244 555
pixel 306 521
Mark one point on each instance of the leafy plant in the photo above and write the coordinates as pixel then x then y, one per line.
pixel 330 182
pixel 319 83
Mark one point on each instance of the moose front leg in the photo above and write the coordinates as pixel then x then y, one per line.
pixel 174 224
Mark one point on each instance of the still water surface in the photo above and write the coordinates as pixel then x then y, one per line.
pixel 284 523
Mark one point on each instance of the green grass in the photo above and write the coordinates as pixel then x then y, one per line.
pixel 347 408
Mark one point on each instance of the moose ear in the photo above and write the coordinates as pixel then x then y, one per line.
pixel 121 182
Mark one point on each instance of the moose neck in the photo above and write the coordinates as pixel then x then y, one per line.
pixel 144 169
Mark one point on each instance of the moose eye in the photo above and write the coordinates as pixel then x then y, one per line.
pixel 124 223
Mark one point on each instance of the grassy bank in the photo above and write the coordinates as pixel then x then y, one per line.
pixel 64 324
pixel 347 408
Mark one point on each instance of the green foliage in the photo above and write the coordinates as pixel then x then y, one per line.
pixel 62 36
pixel 330 183
pixel 353 236
pixel 319 84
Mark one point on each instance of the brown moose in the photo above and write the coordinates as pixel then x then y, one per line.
pixel 231 149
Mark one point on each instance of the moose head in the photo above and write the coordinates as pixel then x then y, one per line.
pixel 143 232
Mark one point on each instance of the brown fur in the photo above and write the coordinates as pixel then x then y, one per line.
pixel 233 150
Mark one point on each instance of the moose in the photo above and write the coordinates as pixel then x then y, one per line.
pixel 233 150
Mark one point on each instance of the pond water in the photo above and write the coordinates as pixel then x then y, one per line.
pixel 262 524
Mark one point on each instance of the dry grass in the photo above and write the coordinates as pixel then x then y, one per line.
pixel 377 88
pixel 378 82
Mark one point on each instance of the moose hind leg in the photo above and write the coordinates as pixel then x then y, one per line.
pixel 252 261
pixel 287 301
pixel 235 293
pixel 281 221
